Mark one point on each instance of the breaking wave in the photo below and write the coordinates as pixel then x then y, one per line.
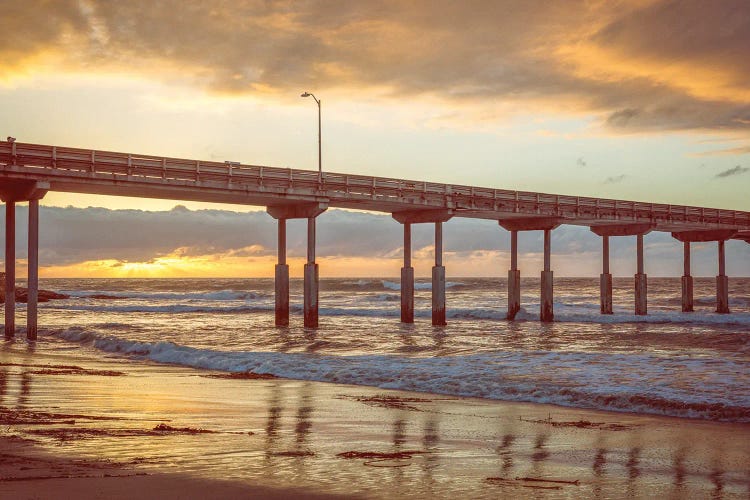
pixel 645 383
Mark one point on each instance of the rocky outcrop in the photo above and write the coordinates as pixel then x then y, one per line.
pixel 22 294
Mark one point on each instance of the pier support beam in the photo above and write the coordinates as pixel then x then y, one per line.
pixel 10 269
pixel 307 211
pixel 722 283
pixel 12 192
pixel 687 280
pixel 407 280
pixel 546 312
pixel 311 279
pixel 33 276
pixel 546 224
pixel 438 279
pixel 605 280
pixel 407 218
pixel 641 281
pixel 282 278
pixel 514 279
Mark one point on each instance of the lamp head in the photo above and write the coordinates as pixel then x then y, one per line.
pixel 306 94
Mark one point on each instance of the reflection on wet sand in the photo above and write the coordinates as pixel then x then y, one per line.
pixel 3 384
pixel 504 451
pixel 301 427
pixel 430 442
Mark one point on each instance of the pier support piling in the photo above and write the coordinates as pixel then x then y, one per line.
pixel 282 278
pixel 514 279
pixel 11 193
pixel 10 269
pixel 605 280
pixel 641 281
pixel 407 279
pixel 281 213
pixel 407 218
pixel 311 279
pixel 546 224
pixel 687 280
pixel 546 304
pixel 33 271
pixel 438 280
pixel 722 283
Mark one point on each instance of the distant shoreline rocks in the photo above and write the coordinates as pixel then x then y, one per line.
pixel 22 294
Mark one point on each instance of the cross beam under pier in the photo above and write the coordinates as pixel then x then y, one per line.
pixel 11 193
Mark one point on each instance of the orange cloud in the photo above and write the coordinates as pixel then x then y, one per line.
pixel 650 64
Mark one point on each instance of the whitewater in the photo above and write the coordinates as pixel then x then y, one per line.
pixel 689 365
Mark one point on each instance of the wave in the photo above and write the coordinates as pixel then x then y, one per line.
pixel 388 307
pixel 166 309
pixel 219 295
pixel 716 390
pixel 392 285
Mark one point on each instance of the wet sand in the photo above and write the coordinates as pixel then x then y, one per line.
pixel 86 427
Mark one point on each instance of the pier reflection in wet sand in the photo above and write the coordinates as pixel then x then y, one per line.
pixel 295 432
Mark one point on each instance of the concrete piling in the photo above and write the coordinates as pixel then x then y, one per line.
pixel 281 213
pixel 282 278
pixel 722 283
pixel 33 276
pixel 605 280
pixel 311 279
pixel 641 281
pixel 407 279
pixel 546 312
pixel 687 280
pixel 407 218
pixel 514 279
pixel 10 269
pixel 438 279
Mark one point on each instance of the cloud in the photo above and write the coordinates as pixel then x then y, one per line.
pixel 737 170
pixel 658 65
pixel 615 179
pixel 223 242
pixel 741 150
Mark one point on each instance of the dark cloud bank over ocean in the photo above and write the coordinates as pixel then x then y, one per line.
pixel 73 235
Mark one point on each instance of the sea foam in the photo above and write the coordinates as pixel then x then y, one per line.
pixel 665 385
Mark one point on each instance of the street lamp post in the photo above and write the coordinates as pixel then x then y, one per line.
pixel 320 157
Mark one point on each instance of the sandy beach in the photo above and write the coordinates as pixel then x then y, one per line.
pixel 77 427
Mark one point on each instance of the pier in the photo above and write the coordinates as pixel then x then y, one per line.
pixel 29 171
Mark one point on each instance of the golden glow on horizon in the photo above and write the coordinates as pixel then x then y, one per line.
pixel 482 263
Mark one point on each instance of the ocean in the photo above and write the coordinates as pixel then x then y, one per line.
pixel 690 365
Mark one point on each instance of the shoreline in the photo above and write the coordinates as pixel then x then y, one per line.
pixel 281 434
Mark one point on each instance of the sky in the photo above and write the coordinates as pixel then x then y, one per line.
pixel 642 100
